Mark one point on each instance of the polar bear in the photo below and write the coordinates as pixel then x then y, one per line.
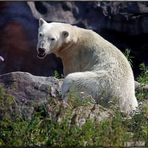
pixel 91 64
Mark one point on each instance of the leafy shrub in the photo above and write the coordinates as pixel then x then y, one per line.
pixel 143 77
pixel 143 80
pixel 128 56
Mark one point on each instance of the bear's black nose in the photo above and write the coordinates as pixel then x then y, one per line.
pixel 41 50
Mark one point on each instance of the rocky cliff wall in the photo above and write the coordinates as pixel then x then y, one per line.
pixel 122 23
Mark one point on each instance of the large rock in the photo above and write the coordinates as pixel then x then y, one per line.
pixel 27 93
pixel 26 88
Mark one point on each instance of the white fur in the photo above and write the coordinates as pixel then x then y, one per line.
pixel 91 65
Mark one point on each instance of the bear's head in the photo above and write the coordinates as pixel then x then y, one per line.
pixel 51 37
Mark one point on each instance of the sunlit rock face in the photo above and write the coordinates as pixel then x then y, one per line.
pixel 122 23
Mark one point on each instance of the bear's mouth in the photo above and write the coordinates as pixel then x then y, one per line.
pixel 41 53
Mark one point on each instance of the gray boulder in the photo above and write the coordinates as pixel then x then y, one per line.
pixel 28 93
pixel 26 87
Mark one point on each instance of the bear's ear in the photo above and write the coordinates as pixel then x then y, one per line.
pixel 41 21
pixel 65 34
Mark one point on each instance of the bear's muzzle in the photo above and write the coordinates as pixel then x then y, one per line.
pixel 41 53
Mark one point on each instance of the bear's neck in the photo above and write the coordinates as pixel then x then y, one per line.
pixel 70 60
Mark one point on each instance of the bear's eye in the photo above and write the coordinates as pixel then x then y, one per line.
pixel 40 34
pixel 52 39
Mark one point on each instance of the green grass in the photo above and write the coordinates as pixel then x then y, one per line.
pixel 41 129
